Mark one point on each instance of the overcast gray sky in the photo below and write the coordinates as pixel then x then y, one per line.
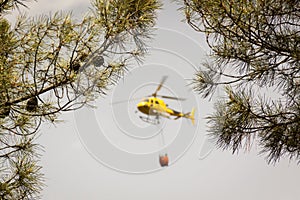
pixel 94 154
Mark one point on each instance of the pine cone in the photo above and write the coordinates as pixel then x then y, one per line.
pixel 4 112
pixel 32 104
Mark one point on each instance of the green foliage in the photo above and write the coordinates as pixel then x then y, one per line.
pixel 255 47
pixel 8 5
pixel 52 64
pixel 130 15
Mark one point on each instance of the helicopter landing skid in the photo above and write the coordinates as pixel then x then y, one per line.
pixel 150 120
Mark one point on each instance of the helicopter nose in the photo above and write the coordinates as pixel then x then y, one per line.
pixel 142 106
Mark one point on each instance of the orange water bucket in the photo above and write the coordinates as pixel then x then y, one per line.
pixel 164 160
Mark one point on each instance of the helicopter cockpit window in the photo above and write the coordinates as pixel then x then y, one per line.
pixel 151 101
pixel 156 102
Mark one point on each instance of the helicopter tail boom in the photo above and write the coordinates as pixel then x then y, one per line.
pixel 189 115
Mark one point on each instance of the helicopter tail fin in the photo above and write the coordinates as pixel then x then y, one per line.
pixel 189 115
pixel 192 116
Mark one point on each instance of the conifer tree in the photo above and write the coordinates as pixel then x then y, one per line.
pixel 56 63
pixel 255 57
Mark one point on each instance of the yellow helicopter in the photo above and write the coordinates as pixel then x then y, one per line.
pixel 153 106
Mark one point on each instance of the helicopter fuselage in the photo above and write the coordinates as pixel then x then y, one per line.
pixel 157 107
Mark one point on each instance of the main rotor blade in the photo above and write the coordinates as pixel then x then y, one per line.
pixel 174 98
pixel 128 100
pixel 164 78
